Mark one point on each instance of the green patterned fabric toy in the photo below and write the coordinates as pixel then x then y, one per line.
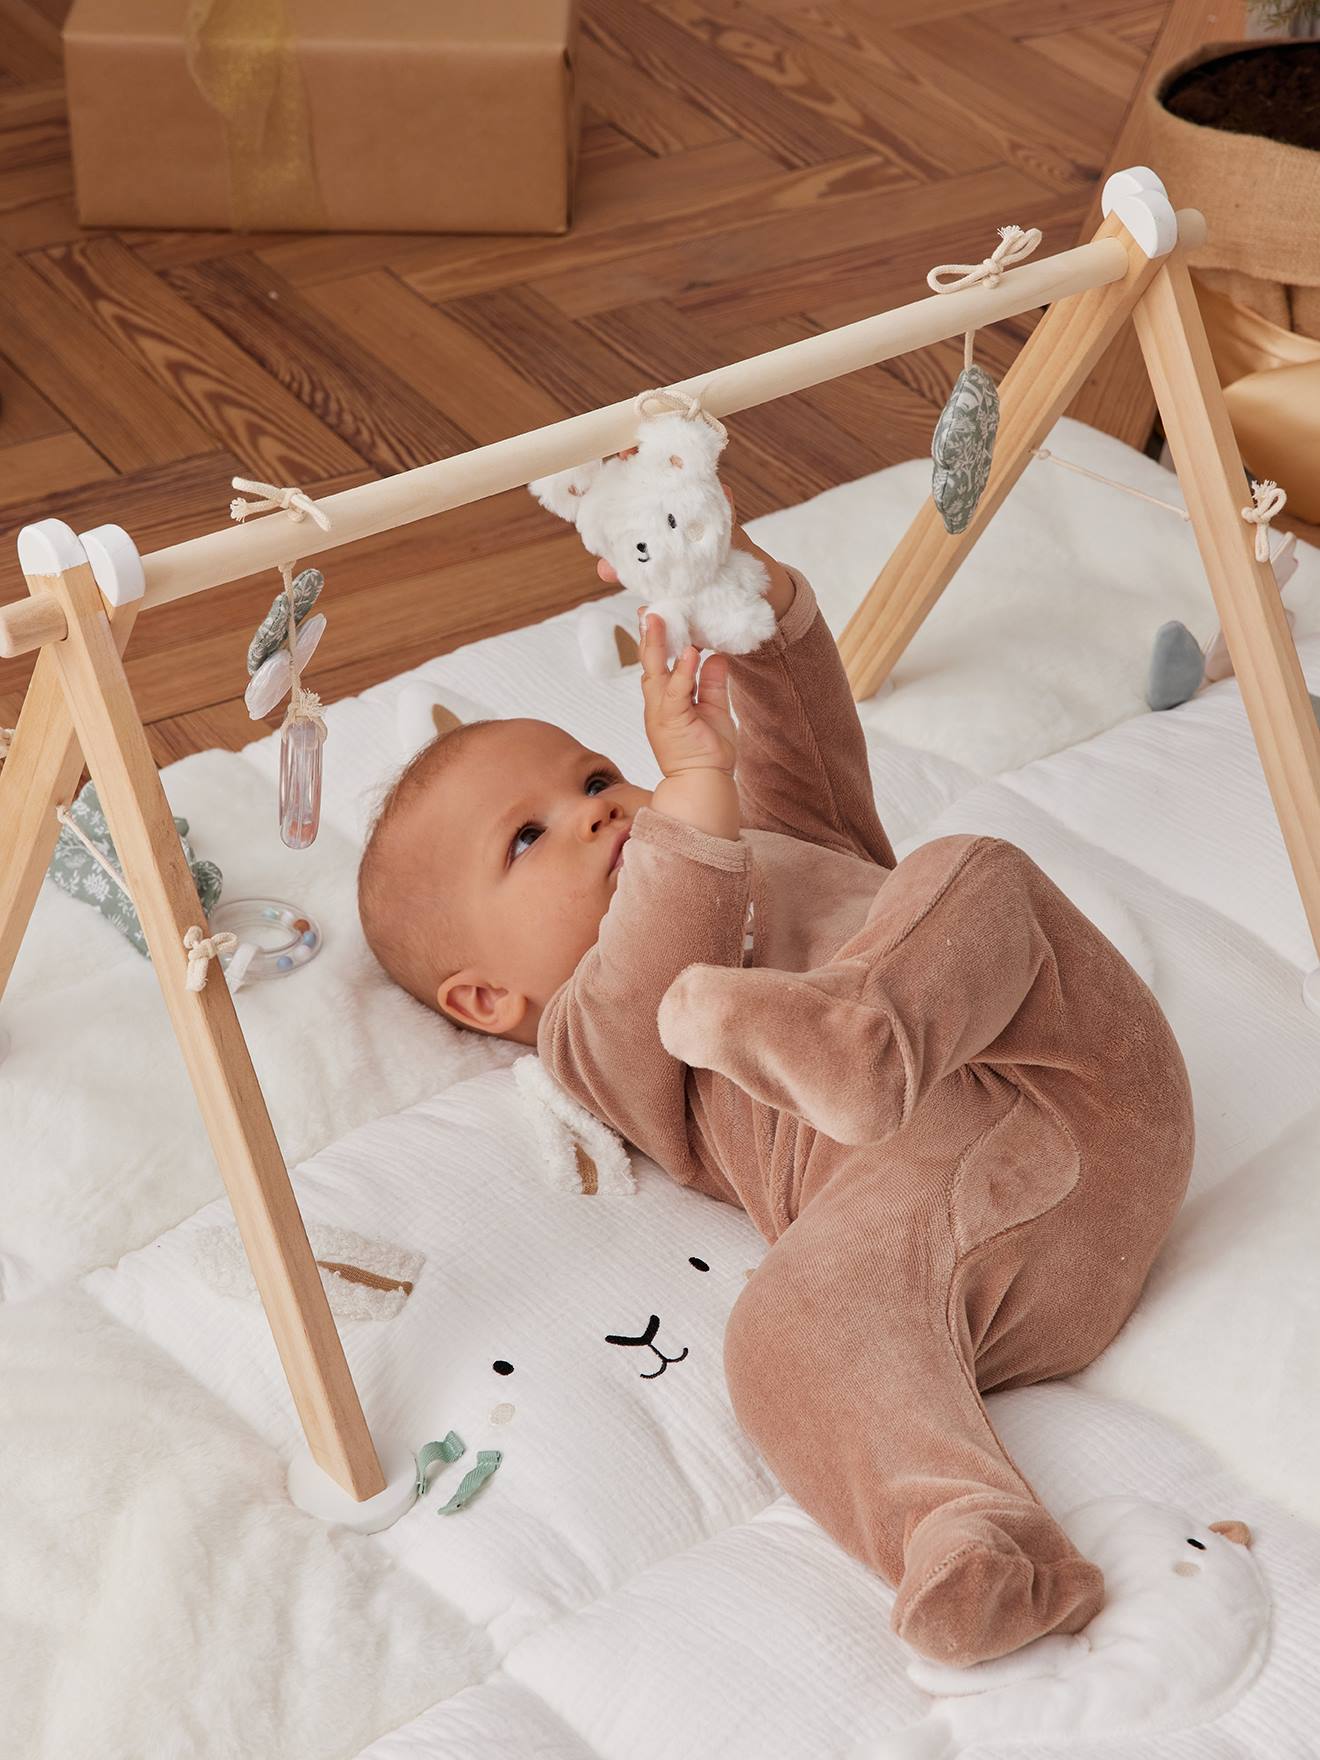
pixel 78 873
pixel 964 441
pixel 963 447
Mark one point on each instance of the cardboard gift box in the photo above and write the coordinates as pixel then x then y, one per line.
pixel 324 115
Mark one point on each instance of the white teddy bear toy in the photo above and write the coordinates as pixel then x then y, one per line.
pixel 658 515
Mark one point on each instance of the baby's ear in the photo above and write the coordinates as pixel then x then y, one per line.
pixel 685 444
pixel 562 493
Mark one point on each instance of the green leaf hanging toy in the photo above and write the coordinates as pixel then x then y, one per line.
pixel 964 440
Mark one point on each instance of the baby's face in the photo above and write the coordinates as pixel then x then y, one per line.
pixel 526 824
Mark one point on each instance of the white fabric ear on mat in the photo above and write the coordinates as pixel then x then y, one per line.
pixel 415 720
pixel 580 1154
pixel 607 634
pixel 364 1279
pixel 1182 1635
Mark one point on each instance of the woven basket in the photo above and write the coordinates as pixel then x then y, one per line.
pixel 1260 198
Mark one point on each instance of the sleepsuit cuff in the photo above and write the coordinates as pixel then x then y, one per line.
pixel 803 768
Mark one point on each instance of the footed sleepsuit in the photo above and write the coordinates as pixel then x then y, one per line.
pixel 949 1103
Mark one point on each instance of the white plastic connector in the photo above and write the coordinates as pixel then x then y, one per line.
pixel 116 565
pixel 1139 200
pixel 312 1489
pixel 49 547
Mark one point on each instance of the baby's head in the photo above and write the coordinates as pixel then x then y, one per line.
pixel 488 869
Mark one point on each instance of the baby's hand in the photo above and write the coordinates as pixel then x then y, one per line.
pixel 688 719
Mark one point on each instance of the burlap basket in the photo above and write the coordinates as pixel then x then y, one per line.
pixel 1260 198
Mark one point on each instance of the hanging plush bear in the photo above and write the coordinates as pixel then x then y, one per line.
pixel 658 515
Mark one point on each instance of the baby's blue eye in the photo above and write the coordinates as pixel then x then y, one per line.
pixel 604 777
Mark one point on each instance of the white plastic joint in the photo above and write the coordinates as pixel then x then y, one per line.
pixel 1139 200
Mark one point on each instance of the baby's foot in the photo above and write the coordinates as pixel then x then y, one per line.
pixel 980 1582
pixel 794 1040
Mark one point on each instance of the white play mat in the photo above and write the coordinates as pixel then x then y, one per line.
pixel 631 1584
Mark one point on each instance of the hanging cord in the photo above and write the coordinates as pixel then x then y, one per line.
pixel 1082 471
pixel 202 949
pixel 1015 246
pixel 304 705
pixel 1267 499
pixel 70 824
pixel 659 403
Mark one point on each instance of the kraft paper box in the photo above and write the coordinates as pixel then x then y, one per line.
pixel 324 115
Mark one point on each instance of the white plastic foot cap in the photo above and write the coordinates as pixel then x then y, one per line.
pixel 312 1489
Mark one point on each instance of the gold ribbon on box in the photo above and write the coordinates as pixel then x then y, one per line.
pixel 242 57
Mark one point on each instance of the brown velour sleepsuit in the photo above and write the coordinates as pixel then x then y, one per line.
pixel 949 1103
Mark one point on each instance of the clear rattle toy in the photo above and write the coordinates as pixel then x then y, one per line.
pixel 279 650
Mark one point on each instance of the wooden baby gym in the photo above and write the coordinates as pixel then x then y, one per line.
pixel 87 590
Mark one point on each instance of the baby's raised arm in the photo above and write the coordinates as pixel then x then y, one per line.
pixel 802 765
pixel 681 899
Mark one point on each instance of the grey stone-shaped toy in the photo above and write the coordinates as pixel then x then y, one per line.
pixel 1177 667
pixel 81 877
pixel 963 446
pixel 274 630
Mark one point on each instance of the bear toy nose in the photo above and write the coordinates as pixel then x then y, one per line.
pixel 641 547
pixel 1238 1532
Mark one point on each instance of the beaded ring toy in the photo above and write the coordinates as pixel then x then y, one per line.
pixel 273 939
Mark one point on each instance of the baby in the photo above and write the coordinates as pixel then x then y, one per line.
pixel 949 1103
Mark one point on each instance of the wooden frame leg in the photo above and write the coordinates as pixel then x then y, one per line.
pixel 1173 340
pixel 1056 359
pixel 41 772
pixel 106 721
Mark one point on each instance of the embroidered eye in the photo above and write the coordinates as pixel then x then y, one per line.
pixel 501 1367
pixel 673 523
pixel 1198 1544
pixel 698 1264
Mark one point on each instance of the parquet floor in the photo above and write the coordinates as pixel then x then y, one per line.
pixel 752 171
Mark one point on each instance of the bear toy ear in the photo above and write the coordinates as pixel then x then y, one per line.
pixel 681 443
pixel 563 493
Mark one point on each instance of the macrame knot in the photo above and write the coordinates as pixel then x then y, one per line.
pixel 202 949
pixel 293 501
pixel 1015 246
pixel 305 705
pixel 662 403
pixel 1267 499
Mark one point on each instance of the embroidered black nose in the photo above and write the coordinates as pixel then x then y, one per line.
pixel 641 548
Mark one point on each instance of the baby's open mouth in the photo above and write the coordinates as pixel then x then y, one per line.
pixel 618 853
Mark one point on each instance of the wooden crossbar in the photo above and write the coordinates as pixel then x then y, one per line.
pixel 79 704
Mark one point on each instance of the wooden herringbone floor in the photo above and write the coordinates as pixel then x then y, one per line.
pixel 752 171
